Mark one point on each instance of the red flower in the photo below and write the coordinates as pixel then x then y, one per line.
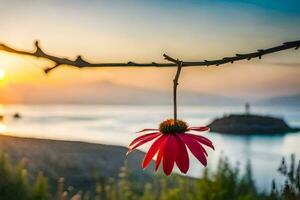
pixel 172 138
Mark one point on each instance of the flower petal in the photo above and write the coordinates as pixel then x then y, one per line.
pixel 148 129
pixel 131 148
pixel 195 148
pixel 142 137
pixel 198 128
pixel 182 158
pixel 170 153
pixel 160 155
pixel 153 150
pixel 202 140
pixel 202 148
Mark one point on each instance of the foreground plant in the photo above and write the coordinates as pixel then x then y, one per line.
pixel 172 138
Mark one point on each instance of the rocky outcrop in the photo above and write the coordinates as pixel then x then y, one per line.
pixel 250 124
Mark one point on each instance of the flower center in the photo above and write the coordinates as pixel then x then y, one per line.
pixel 171 126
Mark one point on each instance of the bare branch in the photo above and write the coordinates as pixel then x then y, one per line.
pixel 80 62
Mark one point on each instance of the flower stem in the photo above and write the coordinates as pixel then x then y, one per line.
pixel 175 84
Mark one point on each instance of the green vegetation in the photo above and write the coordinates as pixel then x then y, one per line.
pixel 14 183
pixel 225 183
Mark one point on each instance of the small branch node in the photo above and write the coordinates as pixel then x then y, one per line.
pixel 38 52
pixel 80 61
pixel 49 69
pixel 36 44
pixel 173 60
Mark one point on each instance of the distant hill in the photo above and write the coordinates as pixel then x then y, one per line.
pixel 291 100
pixel 110 93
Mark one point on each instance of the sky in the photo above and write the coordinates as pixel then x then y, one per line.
pixel 141 31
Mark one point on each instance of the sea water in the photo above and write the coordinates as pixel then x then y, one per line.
pixel 118 124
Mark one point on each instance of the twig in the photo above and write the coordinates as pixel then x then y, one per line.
pixel 175 82
pixel 80 62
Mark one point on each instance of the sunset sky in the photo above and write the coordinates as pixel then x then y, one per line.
pixel 121 31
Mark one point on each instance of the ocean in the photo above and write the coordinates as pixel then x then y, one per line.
pixel 118 124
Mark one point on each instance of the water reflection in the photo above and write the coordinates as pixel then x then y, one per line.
pixel 263 151
pixel 2 126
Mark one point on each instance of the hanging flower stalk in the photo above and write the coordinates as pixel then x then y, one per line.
pixel 172 139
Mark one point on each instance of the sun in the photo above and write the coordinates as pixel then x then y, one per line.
pixel 2 74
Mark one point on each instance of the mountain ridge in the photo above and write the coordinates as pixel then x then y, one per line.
pixel 109 93
pixel 291 100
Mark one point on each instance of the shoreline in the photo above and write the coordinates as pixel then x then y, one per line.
pixel 11 135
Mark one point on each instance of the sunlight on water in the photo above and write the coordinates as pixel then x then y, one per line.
pixel 2 128
pixel 2 125
pixel 117 125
